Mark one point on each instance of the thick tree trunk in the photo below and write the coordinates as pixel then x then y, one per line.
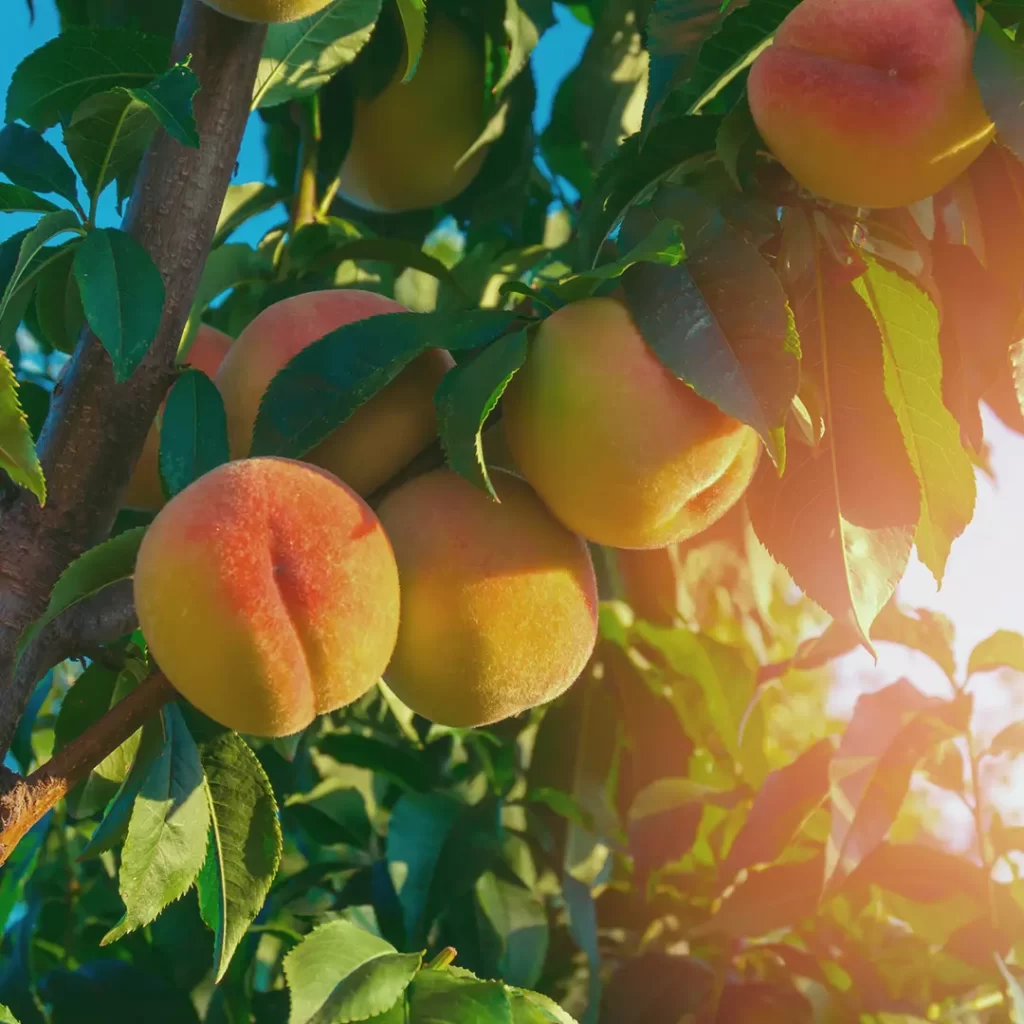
pixel 96 427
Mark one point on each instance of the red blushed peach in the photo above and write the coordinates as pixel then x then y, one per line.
pixel 268 594
pixel 383 435
pixel 619 449
pixel 499 601
pixel 144 491
pixel 871 102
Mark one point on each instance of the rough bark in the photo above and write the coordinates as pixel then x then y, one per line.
pixel 96 427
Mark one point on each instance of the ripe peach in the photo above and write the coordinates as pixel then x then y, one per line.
pixel 144 491
pixel 499 601
pixel 407 140
pixel 268 593
pixel 382 436
pixel 268 11
pixel 621 451
pixel 871 102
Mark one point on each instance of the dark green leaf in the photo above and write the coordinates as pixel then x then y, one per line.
pixel 193 431
pixel 340 972
pixel 122 294
pixel 106 139
pixel 394 760
pixel 999 69
pixel 17 450
pixel 19 868
pixel 419 828
pixel 50 83
pixel 166 842
pixel 466 397
pixel 520 923
pixel 30 161
pixel 169 97
pixel 328 380
pixel 737 140
pixel 58 305
pixel 301 56
pixel 107 563
pixel 16 199
pixel 245 844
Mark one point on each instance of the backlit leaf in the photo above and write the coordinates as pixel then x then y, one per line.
pixel 1003 649
pixel 17 450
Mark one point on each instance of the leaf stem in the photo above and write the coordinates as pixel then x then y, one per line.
pixel 304 206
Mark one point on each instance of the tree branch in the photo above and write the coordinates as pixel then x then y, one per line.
pixel 96 427
pixel 27 801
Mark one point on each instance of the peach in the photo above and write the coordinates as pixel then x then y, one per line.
pixel 408 139
pixel 499 601
pixel 383 435
pixel 622 451
pixel 144 489
pixel 268 11
pixel 268 594
pixel 871 102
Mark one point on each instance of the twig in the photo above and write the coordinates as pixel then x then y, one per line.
pixel 96 427
pixel 27 801
pixel 304 207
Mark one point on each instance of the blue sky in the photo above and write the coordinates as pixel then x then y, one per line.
pixel 556 55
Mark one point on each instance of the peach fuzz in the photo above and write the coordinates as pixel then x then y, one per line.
pixel 144 491
pixel 268 11
pixel 499 601
pixel 871 103
pixel 383 435
pixel 268 594
pixel 407 140
pixel 622 451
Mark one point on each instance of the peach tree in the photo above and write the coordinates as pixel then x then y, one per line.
pixel 643 421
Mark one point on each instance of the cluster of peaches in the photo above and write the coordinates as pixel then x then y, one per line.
pixel 269 590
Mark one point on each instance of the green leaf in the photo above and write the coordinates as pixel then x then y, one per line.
pixel 783 803
pixel 339 972
pixel 301 56
pixel 242 202
pixel 95 692
pixel 106 139
pixel 417 832
pixel 440 996
pixel 169 97
pixel 6 1017
pixel 465 398
pixel 17 450
pixel 87 575
pixel 227 266
pixel 245 844
pixel 525 22
pixel 620 182
pixel 909 325
pixel 31 254
pixel 193 431
pixel 167 835
pixel 112 828
pixel 737 140
pixel 30 161
pixel 396 761
pixel 122 294
pixel 328 380
pixel 999 70
pixel 891 730
pixel 520 924
pixel 58 305
pixel 19 868
pixel 50 83
pixel 721 320
pixel 533 1008
pixel 414 24
pixel 16 199
pixel 1003 649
